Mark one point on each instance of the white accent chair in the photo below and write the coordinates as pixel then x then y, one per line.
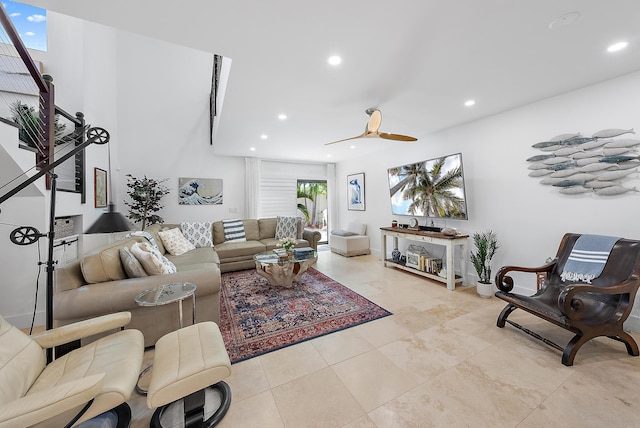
pixel 351 241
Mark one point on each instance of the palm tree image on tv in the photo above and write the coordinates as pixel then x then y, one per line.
pixel 434 188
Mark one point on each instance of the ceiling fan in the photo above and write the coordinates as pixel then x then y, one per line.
pixel 372 129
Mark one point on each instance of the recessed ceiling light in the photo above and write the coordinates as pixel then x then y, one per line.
pixel 335 60
pixel 352 147
pixel 264 136
pixel 469 103
pixel 617 46
pixel 564 20
pixel 282 116
pixel 328 156
pixel 253 149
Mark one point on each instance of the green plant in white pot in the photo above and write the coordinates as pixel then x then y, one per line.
pixel 486 245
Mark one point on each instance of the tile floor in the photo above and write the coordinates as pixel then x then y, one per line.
pixel 439 361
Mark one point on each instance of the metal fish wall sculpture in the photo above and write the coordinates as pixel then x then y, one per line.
pixel 597 165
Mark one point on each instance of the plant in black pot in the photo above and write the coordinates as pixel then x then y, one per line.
pixel 486 245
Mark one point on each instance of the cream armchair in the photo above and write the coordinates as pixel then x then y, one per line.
pixel 84 383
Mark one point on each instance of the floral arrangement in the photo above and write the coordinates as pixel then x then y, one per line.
pixel 287 243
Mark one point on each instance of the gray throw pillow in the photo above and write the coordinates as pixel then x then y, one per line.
pixel 341 232
pixel 131 265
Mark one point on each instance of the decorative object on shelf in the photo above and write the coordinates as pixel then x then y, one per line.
pixel 486 245
pixel 199 191
pixel 394 223
pixel 146 195
pixel 395 255
pixel 579 165
pixel 413 223
pixel 355 192
pixel 449 231
pixel 99 187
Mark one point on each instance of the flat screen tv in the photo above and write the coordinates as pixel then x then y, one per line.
pixel 432 188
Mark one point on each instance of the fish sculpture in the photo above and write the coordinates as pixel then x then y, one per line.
pixel 593 144
pixel 593 167
pixel 597 184
pixel 587 161
pixel 564 165
pixel 626 142
pixel 583 176
pixel 556 160
pixel 628 164
pixel 615 175
pixel 564 137
pixel 586 155
pixel 569 183
pixel 610 133
pixel 551 180
pixel 543 144
pixel 564 173
pixel 538 158
pixel 614 190
pixel 537 165
pixel 619 158
pixel 575 190
pixel 615 151
pixel 551 148
pixel 573 141
pixel 540 172
pixel 567 151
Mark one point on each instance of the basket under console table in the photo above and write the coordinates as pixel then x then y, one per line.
pixel 449 242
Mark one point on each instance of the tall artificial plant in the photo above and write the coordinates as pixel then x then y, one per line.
pixel 486 245
pixel 146 195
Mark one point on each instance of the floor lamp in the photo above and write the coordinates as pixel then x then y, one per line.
pixel 28 235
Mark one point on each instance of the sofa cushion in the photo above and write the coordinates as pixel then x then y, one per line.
pixel 233 230
pixel 150 258
pixel 175 242
pixel 198 233
pixel 197 256
pixel 287 227
pixel 104 264
pixel 131 265
pixel 267 227
pixel 229 250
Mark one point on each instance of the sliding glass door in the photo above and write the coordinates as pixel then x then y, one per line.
pixel 312 205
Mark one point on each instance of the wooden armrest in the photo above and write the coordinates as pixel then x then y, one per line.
pixel 47 403
pixel 68 333
pixel 505 282
pixel 573 307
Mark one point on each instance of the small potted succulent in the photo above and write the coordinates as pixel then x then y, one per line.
pixel 486 245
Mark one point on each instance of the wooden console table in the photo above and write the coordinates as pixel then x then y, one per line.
pixel 450 242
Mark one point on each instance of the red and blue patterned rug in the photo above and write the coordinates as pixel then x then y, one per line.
pixel 256 317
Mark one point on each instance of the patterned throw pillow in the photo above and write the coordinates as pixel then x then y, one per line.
pixel 233 230
pixel 199 234
pixel 149 237
pixel 175 242
pixel 287 227
pixel 151 260
pixel 131 265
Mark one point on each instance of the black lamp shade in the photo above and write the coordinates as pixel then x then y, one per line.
pixel 109 222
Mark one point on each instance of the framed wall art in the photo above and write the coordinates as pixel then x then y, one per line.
pixel 199 191
pixel 355 192
pixel 100 187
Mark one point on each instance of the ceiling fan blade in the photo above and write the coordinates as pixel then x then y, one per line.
pixel 396 137
pixel 374 121
pixel 345 139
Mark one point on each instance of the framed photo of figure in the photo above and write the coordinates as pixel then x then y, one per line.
pixel 355 192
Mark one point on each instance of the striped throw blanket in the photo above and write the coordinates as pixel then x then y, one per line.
pixel 588 257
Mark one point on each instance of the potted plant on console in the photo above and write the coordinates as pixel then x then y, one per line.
pixel 486 245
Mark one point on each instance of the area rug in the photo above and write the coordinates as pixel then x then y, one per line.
pixel 256 317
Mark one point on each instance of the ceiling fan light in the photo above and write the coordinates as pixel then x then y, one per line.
pixel 617 47
pixel 334 60
pixel 469 103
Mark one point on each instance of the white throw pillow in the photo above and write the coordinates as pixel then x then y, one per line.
pixel 287 227
pixel 151 260
pixel 175 242
pixel 234 230
pixel 198 233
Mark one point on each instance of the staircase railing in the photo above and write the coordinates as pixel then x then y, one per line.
pixel 38 128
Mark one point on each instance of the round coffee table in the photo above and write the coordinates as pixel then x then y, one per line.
pixel 283 272
pixel 164 295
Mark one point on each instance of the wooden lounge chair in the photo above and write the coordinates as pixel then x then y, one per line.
pixel 588 310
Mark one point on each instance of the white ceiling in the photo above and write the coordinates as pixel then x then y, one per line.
pixel 416 60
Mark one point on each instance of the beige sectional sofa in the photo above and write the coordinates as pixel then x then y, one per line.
pixel 261 236
pixel 97 283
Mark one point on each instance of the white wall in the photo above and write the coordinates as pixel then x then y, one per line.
pixel 528 217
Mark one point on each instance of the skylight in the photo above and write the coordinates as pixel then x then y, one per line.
pixel 30 22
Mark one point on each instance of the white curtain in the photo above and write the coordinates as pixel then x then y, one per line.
pixel 332 198
pixel 252 187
